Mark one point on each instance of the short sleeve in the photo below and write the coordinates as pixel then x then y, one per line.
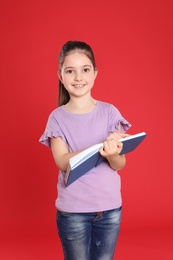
pixel 52 130
pixel 117 119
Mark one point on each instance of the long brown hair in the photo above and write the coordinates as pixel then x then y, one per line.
pixel 68 47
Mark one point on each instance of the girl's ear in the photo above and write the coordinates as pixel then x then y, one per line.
pixel 96 72
pixel 59 76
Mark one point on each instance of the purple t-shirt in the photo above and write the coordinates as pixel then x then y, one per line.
pixel 98 189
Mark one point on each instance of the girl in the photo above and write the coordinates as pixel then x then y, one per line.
pixel 88 210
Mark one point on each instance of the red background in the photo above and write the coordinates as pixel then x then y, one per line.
pixel 133 45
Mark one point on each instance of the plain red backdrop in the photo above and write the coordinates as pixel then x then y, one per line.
pixel 132 41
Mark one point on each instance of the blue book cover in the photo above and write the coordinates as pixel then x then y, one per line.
pixel 90 157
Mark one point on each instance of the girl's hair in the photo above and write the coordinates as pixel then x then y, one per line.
pixel 68 47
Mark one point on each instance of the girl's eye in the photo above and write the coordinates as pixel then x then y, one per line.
pixel 86 70
pixel 69 71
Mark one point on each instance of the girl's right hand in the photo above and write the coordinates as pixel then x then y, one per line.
pixel 116 136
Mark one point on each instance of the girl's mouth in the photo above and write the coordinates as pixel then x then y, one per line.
pixel 78 85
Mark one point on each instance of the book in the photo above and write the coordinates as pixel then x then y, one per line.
pixel 91 157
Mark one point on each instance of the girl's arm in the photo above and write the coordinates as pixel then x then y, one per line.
pixel 60 153
pixel 111 150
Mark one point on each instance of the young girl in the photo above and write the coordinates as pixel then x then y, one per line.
pixel 88 210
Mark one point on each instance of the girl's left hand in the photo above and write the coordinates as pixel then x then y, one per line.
pixel 111 146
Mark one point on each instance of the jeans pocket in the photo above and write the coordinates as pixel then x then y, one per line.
pixel 63 213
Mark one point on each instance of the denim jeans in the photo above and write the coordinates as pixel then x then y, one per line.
pixel 89 236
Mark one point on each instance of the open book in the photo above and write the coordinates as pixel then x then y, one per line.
pixel 91 157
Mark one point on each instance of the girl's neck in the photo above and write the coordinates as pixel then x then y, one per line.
pixel 84 106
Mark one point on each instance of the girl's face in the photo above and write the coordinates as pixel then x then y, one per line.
pixel 77 74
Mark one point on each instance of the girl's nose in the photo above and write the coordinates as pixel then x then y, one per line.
pixel 78 76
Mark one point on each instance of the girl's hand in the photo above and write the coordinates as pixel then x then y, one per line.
pixel 116 136
pixel 111 150
pixel 111 145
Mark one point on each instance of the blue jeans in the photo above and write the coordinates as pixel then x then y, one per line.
pixel 89 236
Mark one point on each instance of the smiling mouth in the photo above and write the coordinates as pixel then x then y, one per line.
pixel 78 85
